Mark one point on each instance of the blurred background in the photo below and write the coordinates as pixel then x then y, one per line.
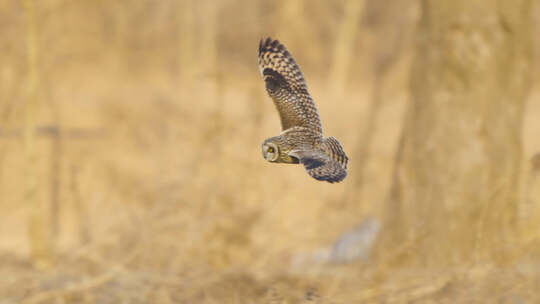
pixel 131 167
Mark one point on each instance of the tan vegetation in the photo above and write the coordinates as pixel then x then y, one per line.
pixel 131 170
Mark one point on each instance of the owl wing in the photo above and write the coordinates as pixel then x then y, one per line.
pixel 287 87
pixel 327 164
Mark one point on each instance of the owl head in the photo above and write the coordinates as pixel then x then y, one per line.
pixel 274 150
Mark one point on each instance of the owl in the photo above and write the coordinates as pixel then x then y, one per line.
pixel 301 140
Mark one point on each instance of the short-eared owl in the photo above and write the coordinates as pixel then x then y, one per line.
pixel 301 139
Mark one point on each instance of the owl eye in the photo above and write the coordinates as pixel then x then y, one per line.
pixel 270 150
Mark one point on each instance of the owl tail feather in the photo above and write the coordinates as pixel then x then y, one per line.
pixel 336 152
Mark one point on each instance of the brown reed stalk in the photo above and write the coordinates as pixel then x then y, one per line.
pixel 343 47
pixel 38 230
pixel 187 39
pixel 208 48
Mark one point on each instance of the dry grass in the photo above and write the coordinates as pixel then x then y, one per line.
pixel 166 199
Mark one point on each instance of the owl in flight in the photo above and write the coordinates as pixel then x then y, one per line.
pixel 301 139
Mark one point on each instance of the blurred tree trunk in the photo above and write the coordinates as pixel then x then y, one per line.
pixel 455 190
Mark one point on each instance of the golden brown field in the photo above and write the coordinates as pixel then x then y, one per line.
pixel 138 176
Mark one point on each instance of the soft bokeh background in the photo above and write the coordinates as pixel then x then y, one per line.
pixel 150 184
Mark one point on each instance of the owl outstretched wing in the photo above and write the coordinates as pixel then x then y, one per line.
pixel 328 164
pixel 287 87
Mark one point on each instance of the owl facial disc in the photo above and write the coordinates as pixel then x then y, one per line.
pixel 270 151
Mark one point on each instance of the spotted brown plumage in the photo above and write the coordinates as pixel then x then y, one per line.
pixel 301 139
pixel 286 85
